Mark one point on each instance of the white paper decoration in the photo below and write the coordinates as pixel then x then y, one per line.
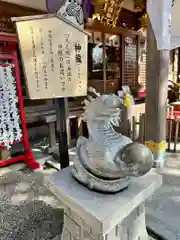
pixel 10 130
pixel 164 17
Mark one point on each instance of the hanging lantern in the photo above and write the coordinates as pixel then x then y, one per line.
pixel 143 21
pixel 107 11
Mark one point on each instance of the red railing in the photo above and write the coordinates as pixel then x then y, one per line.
pixel 9 53
pixel 173 115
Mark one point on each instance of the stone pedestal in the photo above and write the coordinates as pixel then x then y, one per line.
pixel 93 216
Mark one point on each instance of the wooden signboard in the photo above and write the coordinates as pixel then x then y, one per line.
pixel 54 55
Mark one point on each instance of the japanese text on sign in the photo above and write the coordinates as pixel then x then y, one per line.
pixel 61 67
pixel 34 58
pixel 68 62
pixel 51 49
pixel 44 65
pixel 78 62
pixel 54 55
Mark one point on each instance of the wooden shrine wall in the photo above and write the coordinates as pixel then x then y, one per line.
pixel 128 19
pixel 130 70
pixel 173 65
pixel 127 31
pixel 8 10
pixel 142 61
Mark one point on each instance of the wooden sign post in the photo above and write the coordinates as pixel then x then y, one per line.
pixel 54 54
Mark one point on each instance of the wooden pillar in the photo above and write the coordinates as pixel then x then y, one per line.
pixel 122 58
pixel 178 67
pixel 156 100
pixel 61 113
pixel 173 61
pixel 175 69
pixel 137 58
pixel 104 63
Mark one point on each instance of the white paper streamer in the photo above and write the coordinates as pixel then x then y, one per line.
pixel 165 18
pixel 10 130
pixel 159 13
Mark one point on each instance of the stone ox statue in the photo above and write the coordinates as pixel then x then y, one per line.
pixel 107 160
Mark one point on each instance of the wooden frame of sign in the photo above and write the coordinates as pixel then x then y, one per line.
pixel 54 54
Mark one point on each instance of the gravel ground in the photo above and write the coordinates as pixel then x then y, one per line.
pixel 27 209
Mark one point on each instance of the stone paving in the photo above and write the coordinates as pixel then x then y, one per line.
pixel 163 208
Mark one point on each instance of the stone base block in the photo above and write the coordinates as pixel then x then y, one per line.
pixel 132 228
pixel 93 216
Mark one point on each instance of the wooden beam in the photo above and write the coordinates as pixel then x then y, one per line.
pixel 137 59
pixel 178 67
pixel 8 10
pixel 95 25
pixel 122 53
pixel 104 63
pixel 14 10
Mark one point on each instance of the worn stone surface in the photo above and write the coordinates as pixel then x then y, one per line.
pixel 90 215
pixel 130 228
pixel 27 209
pixel 163 208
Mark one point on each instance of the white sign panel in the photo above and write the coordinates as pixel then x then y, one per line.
pixel 54 55
pixel 165 18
